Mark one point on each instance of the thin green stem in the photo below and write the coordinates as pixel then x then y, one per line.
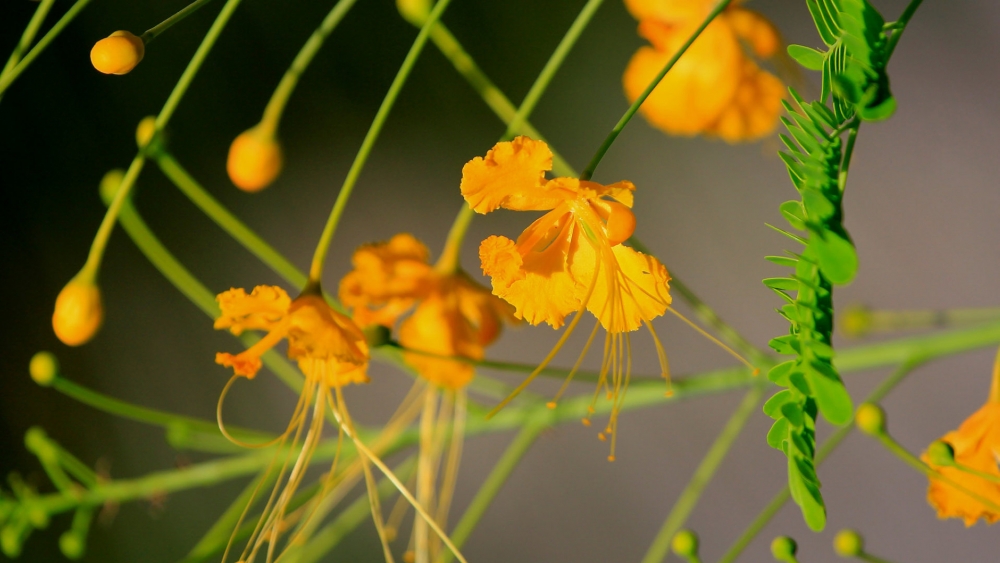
pixel 899 451
pixel 132 174
pixel 689 497
pixel 450 260
pixel 28 36
pixel 972 471
pixel 11 75
pixel 589 171
pixel 319 257
pixel 495 480
pixel 859 321
pixel 845 166
pixel 779 500
pixel 865 556
pixel 227 221
pixel 154 32
pixel 550 68
pixel 276 105
pixel 900 26
pixel 214 540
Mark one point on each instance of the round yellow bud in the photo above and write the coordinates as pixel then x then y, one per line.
pixel 43 368
pixel 118 53
pixel 145 130
pixel 72 544
pixel 870 419
pixel 254 160
pixel 110 184
pixel 414 11
pixel 856 321
pixel 783 548
pixel 848 543
pixel 685 544
pixel 78 312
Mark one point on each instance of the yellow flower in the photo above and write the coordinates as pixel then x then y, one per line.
pixel 715 88
pixel 571 259
pixel 976 446
pixel 329 347
pixel 451 314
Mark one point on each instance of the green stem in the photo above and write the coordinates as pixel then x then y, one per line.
pixel 495 480
pixel 901 26
pixel 896 448
pixel 779 500
pixel 589 171
pixel 550 68
pixel 11 75
pixel 864 556
pixel 860 321
pixel 493 96
pixel 29 35
pixel 845 166
pixel 319 257
pixel 450 260
pixel 972 471
pixel 227 221
pixel 276 105
pixel 132 174
pixel 154 32
pixel 689 497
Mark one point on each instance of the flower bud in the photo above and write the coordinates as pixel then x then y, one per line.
pixel 870 419
pixel 848 543
pixel 118 53
pixel 414 11
pixel 110 184
pixel 144 135
pixel 783 548
pixel 72 544
pixel 78 312
pixel 43 368
pixel 685 544
pixel 941 453
pixel 856 321
pixel 254 160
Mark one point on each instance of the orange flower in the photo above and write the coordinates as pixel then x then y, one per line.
pixel 571 259
pixel 329 348
pixel 452 315
pixel 976 446
pixel 715 88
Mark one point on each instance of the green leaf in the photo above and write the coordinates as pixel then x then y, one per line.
pixel 779 373
pixel 772 407
pixel 793 412
pixel 786 345
pixel 831 396
pixel 794 214
pixel 809 58
pixel 837 257
pixel 778 433
pixel 786 284
pixel 782 261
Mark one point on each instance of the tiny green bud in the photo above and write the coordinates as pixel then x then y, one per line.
pixel 685 544
pixel 145 132
pixel 110 184
pixel 941 453
pixel 37 443
pixel 71 545
pixel 10 541
pixel 870 419
pixel 783 548
pixel 377 335
pixel 37 515
pixel 848 543
pixel 43 368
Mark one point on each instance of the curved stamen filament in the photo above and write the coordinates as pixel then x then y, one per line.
pixel 586 347
pixel 715 340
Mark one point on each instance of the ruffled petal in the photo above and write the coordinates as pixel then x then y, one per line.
pixel 630 288
pixel 263 309
pixel 756 30
pixel 438 327
pixel 755 108
pixel 698 88
pixel 387 279
pixel 676 12
pixel 317 331
pixel 244 364
pixel 512 176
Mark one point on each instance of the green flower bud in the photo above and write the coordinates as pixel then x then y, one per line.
pixel 414 11
pixel 110 184
pixel 941 453
pixel 72 545
pixel 43 368
pixel 870 419
pixel 783 548
pixel 685 544
pixel 848 543
pixel 856 321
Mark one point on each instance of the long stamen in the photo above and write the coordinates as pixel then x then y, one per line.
pixel 715 340
pixel 425 476
pixel 222 425
pixel 552 404
pixel 662 355
pixel 454 459
pixel 552 354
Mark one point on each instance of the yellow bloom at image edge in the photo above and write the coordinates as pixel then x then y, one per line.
pixel 78 313
pixel 977 445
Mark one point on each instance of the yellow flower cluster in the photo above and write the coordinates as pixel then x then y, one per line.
pixel 716 88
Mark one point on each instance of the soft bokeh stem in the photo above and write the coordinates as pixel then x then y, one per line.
pixel 702 476
pixel 323 246
pixel 901 23
pixel 10 75
pixel 630 112
pixel 28 36
pixel 276 105
pixel 450 260
pixel 153 32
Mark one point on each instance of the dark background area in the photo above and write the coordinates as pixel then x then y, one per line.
pixel 922 206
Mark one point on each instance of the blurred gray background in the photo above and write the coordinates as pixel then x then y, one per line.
pixel 922 206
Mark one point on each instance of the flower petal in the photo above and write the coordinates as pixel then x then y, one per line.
pixel 263 309
pixel 754 110
pixel 512 176
pixel 631 287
